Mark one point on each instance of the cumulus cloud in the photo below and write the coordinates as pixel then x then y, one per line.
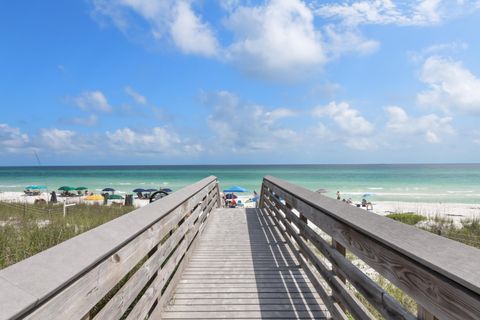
pixel 190 34
pixel 350 127
pixel 93 101
pixel 58 140
pixel 137 97
pixel 452 87
pixel 157 140
pixel 276 38
pixel 431 127
pixel 345 117
pixel 12 139
pixel 245 127
pixel 170 19
pixel 403 13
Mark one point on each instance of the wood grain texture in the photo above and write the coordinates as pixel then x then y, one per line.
pixel 67 280
pixel 381 300
pixel 421 264
pixel 221 282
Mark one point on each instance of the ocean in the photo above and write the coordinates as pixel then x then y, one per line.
pixel 453 183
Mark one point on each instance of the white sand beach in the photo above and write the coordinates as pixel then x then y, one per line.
pixel 455 211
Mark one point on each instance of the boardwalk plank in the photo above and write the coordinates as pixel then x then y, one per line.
pixel 242 269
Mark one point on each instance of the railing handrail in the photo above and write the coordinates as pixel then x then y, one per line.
pixel 32 281
pixel 452 259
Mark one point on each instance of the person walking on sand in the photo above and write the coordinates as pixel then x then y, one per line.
pixel 338 195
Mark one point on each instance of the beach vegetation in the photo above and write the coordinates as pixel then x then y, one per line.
pixel 28 229
pixel 407 218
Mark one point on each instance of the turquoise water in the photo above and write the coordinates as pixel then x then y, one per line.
pixel 426 183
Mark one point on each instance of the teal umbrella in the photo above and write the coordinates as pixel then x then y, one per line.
pixel 81 188
pixel 115 197
pixel 34 187
pixel 66 188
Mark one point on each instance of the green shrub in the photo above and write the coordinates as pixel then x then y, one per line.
pixel 407 218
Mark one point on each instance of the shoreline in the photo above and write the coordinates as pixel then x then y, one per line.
pixel 455 211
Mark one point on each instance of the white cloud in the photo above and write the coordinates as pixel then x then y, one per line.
pixel 157 140
pixel 275 39
pixel 403 13
pixel 345 117
pixel 343 40
pixel 165 18
pixel 12 139
pixel 190 34
pixel 93 101
pixel 137 97
pixel 431 127
pixel 452 87
pixel 59 141
pixel 435 49
pixel 245 127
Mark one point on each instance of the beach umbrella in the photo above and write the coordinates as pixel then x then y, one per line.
pixel 35 187
pixel 235 189
pixel 151 190
pixel 167 190
pixel 81 188
pixel 230 196
pixel 115 197
pixel 138 190
pixel 108 190
pixel 94 197
pixel 322 191
pixel 66 188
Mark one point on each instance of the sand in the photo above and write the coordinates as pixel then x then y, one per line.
pixel 456 211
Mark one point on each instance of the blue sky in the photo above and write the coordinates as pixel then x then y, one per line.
pixel 199 82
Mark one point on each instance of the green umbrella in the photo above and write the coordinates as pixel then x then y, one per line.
pixel 81 188
pixel 115 197
pixel 66 188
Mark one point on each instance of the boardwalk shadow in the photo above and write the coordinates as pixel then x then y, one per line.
pixel 284 291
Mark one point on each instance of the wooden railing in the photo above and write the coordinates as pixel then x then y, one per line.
pixel 441 275
pixel 125 268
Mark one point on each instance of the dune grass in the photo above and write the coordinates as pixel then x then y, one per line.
pixel 27 230
pixel 407 218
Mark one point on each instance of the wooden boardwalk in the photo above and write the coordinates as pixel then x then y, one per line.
pixel 242 268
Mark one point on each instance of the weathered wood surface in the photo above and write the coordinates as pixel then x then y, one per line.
pixel 242 268
pixel 440 274
pixel 66 281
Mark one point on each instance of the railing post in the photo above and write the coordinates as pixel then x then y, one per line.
pixel 219 200
pixel 424 314
pixel 262 196
pixel 341 249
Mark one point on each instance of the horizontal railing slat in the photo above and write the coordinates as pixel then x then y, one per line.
pixel 422 246
pixel 438 273
pixel 42 276
pixel 385 304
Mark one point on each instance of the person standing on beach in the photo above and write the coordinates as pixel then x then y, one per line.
pixel 338 195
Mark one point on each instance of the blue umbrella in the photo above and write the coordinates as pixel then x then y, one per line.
pixel 33 187
pixel 108 190
pixel 138 190
pixel 235 189
pixel 150 190
pixel 167 190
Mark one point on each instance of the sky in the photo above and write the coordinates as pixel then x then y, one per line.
pixel 103 82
